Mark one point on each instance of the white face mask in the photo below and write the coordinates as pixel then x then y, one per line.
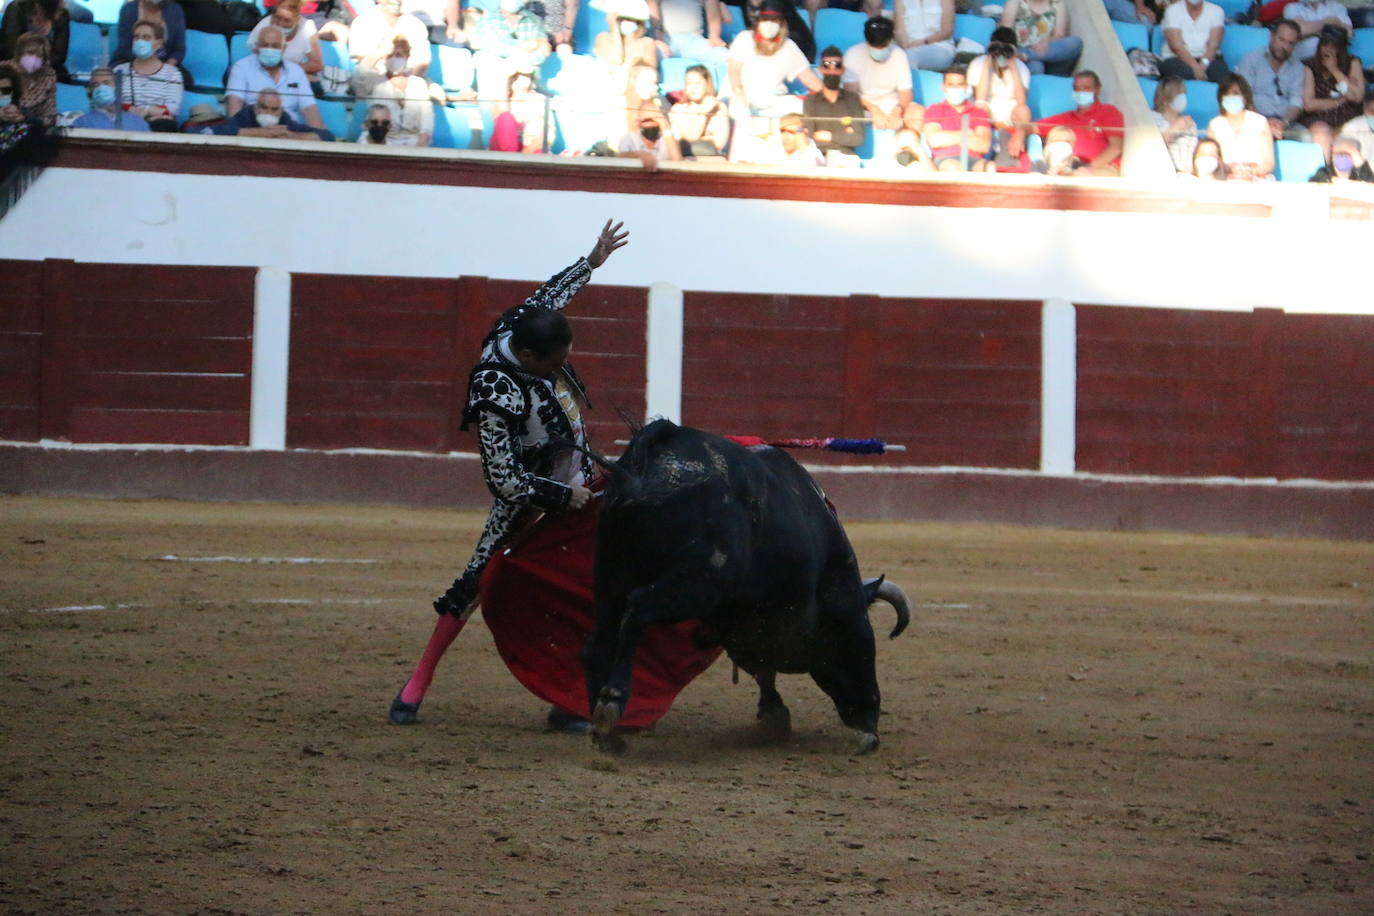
pixel 646 88
pixel 1342 87
pixel 1179 103
pixel 268 120
pixel 396 63
pixel 955 95
pixel 1206 165
pixel 770 29
pixel 628 27
pixel 1233 104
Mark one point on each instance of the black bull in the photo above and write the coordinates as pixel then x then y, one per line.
pixel 695 526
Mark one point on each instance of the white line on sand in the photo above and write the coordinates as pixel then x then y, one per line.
pixel 286 560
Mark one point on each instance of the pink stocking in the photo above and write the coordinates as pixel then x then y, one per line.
pixel 446 629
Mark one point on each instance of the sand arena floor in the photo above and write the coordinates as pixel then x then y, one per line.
pixel 1075 723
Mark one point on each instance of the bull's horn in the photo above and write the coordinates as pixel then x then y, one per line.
pixel 891 592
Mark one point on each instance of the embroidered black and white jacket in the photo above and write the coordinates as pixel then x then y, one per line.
pixel 519 415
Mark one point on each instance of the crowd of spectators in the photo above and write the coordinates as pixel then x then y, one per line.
pixel 771 105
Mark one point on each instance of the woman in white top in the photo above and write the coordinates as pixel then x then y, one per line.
pixel 1179 130
pixel 302 39
pixel 1247 143
pixel 149 86
pixel 925 29
pixel 1000 81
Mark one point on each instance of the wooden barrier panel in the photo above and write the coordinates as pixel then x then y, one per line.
pixel 21 338
pixel 958 383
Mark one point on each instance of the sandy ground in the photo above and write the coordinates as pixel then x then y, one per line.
pixel 1075 723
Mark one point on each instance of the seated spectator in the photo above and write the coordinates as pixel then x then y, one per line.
pixel 762 61
pixel 1000 81
pixel 514 33
pixel 404 94
pixel 881 79
pixel 1362 127
pixel 519 127
pixel 797 28
pixel 48 19
pixel 168 14
pixel 1098 128
pixel 652 141
pixel 1059 155
pixel 1314 15
pixel 267 118
pixel 376 126
pixel 1347 163
pixel 1178 128
pixel 148 86
pixel 944 129
pixel 626 43
pixel 106 113
pixel 691 28
pixel 37 93
pixel 1207 162
pixel 370 35
pixel 1247 143
pixel 641 89
pixel 925 31
pixel 1333 86
pixel 1275 76
pixel 11 91
pixel 302 40
pixel 1042 34
pixel 1192 41
pixel 789 145
pixel 834 116
pixel 912 152
pixel 1138 11
pixel 699 120
pixel 268 68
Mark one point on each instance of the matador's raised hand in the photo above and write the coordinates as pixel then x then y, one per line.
pixel 609 240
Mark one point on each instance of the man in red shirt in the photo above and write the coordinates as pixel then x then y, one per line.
pixel 1097 127
pixel 944 131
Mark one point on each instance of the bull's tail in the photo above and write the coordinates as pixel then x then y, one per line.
pixel 880 589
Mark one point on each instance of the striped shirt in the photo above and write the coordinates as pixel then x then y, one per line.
pixel 143 91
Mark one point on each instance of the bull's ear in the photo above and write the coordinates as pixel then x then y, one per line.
pixel 871 587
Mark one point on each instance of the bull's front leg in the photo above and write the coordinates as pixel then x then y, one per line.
pixel 683 594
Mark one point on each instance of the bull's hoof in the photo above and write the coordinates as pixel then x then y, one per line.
pixel 403 713
pixel 865 742
pixel 775 723
pixel 611 743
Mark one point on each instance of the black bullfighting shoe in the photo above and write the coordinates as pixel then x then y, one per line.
pixel 565 722
pixel 403 713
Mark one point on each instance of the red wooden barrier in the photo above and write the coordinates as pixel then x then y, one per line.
pixel 21 338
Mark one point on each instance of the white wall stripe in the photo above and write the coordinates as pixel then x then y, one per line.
pixel 271 354
pixel 663 366
pixel 1058 387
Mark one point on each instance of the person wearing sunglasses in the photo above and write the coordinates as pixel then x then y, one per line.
pixel 835 117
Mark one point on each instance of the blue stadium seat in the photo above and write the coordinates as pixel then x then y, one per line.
pixel 452 67
pixel 576 130
pixel 974 28
pixel 928 86
pixel 86 49
pixel 1234 8
pixel 1132 35
pixel 207 57
pixel 106 12
pixel 1049 95
pixel 1147 88
pixel 72 98
pixel 1295 161
pixel 335 116
pixel 189 98
pixel 591 23
pixel 1202 102
pixel 238 47
pixel 841 28
pixel 1363 47
pixel 672 71
pixel 335 54
pixel 1239 40
pixel 453 126
pixel 1157 40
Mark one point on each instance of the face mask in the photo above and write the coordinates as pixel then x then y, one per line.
pixel 268 120
pixel 1343 162
pixel 1369 119
pixel 1206 165
pixel 1084 99
pixel 1001 62
pixel 290 33
pixel 143 49
pixel 628 27
pixel 378 132
pixel 30 62
pixel 831 81
pixel 1232 104
pixel 395 64
pixel 955 95
pixel 269 57
pixel 646 89
pixel 6 101
pixel 905 158
pixel 520 87
pixel 769 30
pixel 1342 87
pixel 1179 103
pixel 651 133
pixel 880 54
pixel 103 96
pixel 510 6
